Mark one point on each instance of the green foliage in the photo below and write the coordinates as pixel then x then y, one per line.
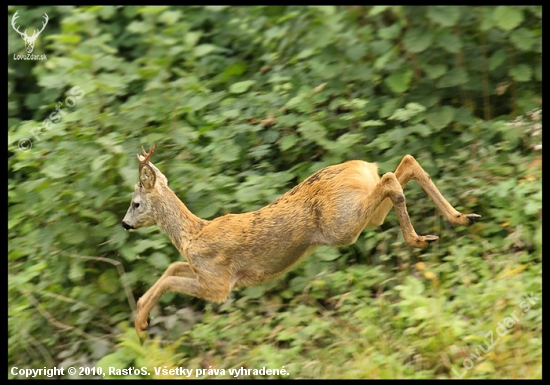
pixel 245 102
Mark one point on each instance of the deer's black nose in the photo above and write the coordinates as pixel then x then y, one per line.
pixel 127 226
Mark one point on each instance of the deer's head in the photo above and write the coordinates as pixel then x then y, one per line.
pixel 29 40
pixel 147 194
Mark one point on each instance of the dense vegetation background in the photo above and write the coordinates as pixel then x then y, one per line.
pixel 245 102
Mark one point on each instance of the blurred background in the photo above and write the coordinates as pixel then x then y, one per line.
pixel 244 103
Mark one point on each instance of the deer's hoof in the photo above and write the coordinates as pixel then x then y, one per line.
pixel 142 337
pixel 141 326
pixel 422 241
pixel 430 238
pixel 473 218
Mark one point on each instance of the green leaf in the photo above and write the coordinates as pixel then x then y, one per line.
pixel 138 27
pixel 70 39
pixel 464 115
pixel 538 72
pixel 108 281
pixel 254 292
pixel 227 151
pixel 521 73
pixel 169 17
pixel 412 288
pixel 297 284
pixel 241 87
pixel 312 130
pixel 417 40
pixel 485 366
pixel 191 38
pixel 445 16
pixel 487 21
pixel 306 53
pixel 287 142
pixel 399 81
pixel 98 162
pixel 453 78
pixel 203 50
pixel 327 253
pixel 54 170
pixel 388 108
pixel 410 110
pixel 382 61
pixel 158 260
pixel 434 71
pixel 207 208
pixel 497 58
pixel 533 207
pixel 420 313
pixel 76 271
pixel 232 71
pixel 326 9
pixel 523 39
pixel 508 17
pixel 415 107
pixel 370 123
pixel 421 129
pixel 390 33
pixel 449 42
pixel 377 9
pixel 118 359
pixel 440 117
pixel 295 101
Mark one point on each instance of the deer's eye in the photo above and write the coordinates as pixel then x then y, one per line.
pixel 136 205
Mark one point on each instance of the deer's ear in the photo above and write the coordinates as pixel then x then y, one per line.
pixel 147 176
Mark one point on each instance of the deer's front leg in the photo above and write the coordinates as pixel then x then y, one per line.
pixel 175 269
pixel 150 299
pixel 212 287
pixel 181 269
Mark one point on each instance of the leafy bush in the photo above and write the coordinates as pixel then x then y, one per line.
pixel 245 102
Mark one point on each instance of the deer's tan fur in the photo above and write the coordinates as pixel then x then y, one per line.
pixel 331 207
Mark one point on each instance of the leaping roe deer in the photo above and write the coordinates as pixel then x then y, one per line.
pixel 331 207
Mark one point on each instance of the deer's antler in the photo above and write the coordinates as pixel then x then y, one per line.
pixel 147 155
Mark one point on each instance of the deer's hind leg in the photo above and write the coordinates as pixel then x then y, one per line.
pixel 388 189
pixel 409 169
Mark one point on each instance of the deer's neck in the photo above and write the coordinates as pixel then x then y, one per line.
pixel 175 219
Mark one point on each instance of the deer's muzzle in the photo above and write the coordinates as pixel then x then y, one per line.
pixel 127 226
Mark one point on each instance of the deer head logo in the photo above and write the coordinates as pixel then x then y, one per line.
pixel 29 40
